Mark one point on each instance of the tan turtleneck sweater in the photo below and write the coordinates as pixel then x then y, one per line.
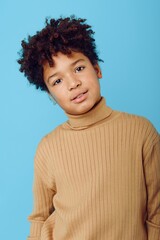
pixel 101 172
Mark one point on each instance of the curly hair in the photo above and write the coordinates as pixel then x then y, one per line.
pixel 59 35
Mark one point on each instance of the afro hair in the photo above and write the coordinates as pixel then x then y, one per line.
pixel 59 35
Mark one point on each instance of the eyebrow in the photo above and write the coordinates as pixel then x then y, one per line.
pixel 72 64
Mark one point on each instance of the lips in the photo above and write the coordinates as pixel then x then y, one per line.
pixel 79 95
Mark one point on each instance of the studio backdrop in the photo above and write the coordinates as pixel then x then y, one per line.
pixel 127 34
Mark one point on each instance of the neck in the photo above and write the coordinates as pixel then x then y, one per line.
pixel 98 113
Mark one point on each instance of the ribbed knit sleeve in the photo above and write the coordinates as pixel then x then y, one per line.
pixel 152 176
pixel 44 190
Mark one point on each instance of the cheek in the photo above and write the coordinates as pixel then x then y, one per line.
pixel 96 87
pixel 60 95
pixel 95 84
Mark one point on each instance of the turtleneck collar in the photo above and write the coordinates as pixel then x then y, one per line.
pixel 98 113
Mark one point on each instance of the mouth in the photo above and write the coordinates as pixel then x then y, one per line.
pixel 80 97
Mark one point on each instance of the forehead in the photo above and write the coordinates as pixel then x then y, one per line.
pixel 61 58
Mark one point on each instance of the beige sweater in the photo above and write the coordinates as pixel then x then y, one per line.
pixel 101 172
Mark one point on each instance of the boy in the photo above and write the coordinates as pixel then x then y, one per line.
pixel 97 176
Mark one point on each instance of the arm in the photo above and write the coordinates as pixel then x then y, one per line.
pixel 152 176
pixel 43 190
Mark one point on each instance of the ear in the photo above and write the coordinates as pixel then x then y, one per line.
pixel 98 70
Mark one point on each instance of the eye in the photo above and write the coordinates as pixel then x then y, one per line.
pixel 79 69
pixel 58 81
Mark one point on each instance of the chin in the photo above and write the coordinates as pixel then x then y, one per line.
pixel 84 109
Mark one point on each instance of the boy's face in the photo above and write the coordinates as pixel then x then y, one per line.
pixel 73 82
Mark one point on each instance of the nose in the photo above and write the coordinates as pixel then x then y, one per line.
pixel 73 82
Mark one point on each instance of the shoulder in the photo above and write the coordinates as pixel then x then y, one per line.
pixel 133 118
pixel 46 141
pixel 45 152
pixel 128 117
pixel 139 124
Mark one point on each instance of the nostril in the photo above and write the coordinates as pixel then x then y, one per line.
pixel 74 84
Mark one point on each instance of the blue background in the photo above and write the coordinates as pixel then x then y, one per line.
pixel 128 40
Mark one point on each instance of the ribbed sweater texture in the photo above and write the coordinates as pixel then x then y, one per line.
pixel 97 177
